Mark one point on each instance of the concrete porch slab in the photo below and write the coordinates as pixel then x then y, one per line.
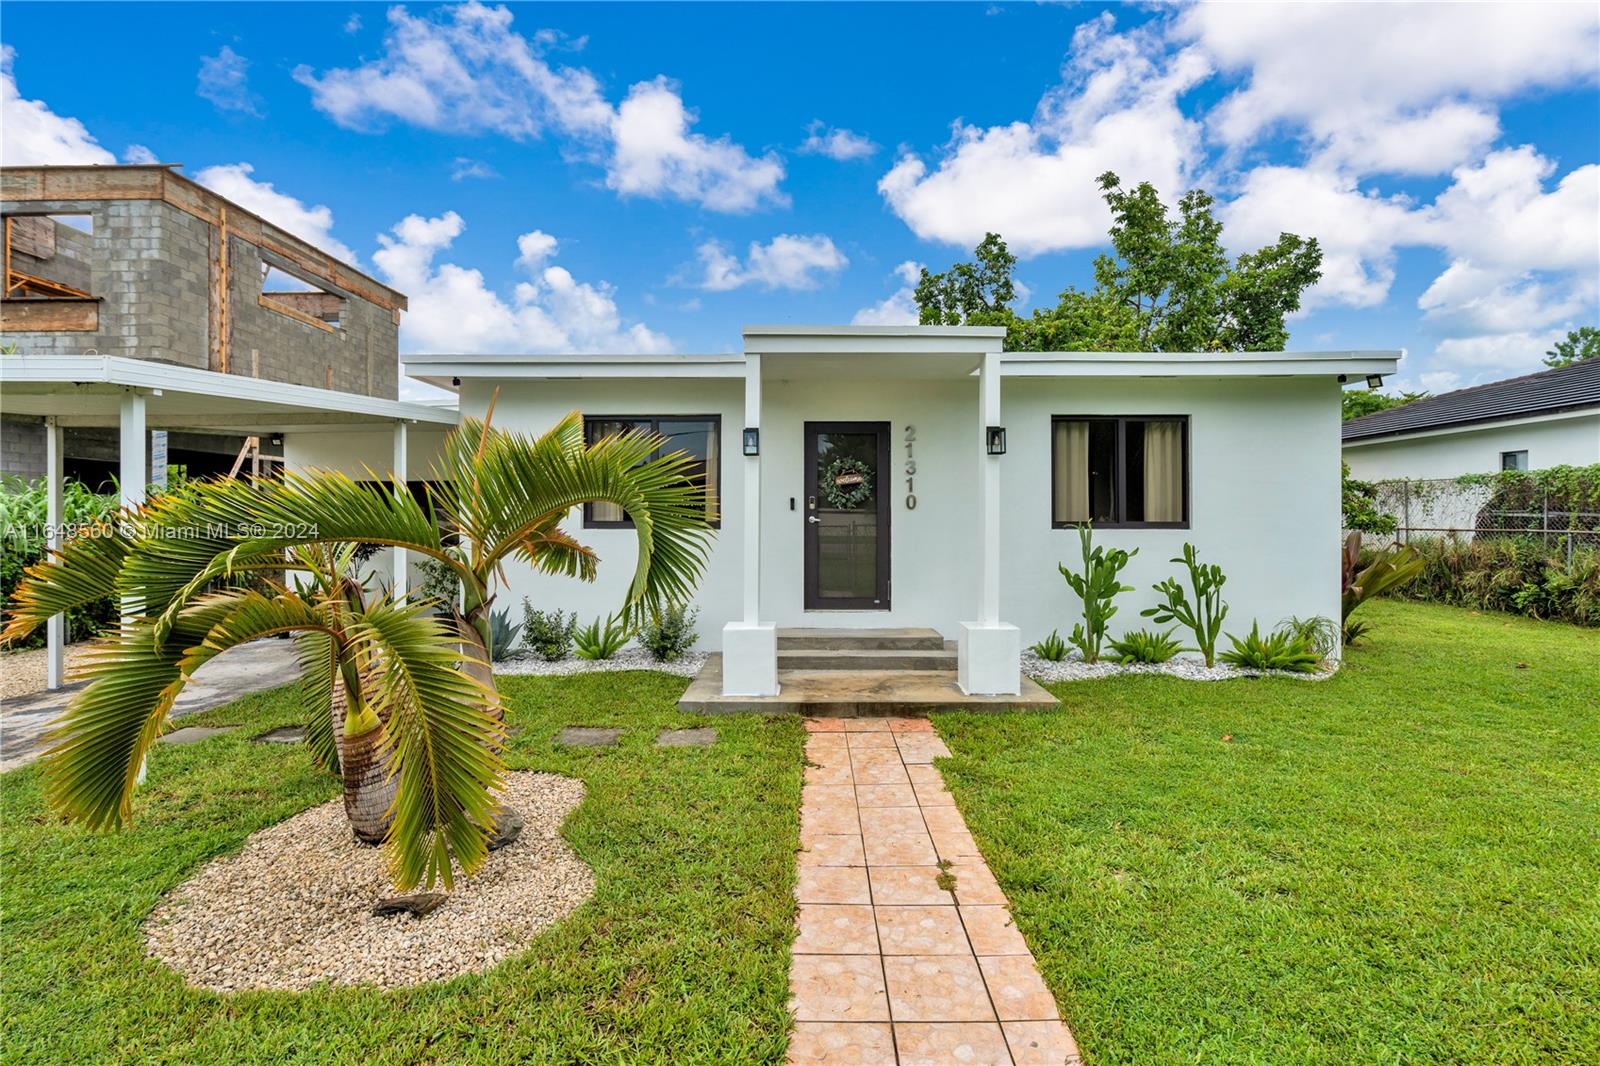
pixel 855 692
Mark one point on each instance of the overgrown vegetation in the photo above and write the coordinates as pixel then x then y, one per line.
pixel 1519 575
pixel 1359 502
pixel 1097 586
pixel 24 516
pixel 548 633
pixel 1203 615
pixel 1145 646
pixel 1166 286
pixel 668 634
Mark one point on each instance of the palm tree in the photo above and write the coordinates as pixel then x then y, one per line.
pixel 418 688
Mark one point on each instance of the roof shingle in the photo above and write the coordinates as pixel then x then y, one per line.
pixel 1549 391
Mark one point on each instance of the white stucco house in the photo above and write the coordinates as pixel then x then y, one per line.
pixel 1541 420
pixel 918 476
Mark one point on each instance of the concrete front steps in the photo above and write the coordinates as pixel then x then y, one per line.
pixel 858 672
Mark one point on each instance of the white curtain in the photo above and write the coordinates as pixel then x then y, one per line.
pixel 1071 489
pixel 1163 471
pixel 713 472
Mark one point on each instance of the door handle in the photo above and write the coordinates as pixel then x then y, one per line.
pixel 812 518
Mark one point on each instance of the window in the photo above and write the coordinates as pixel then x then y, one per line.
pixel 299 298
pixel 1128 471
pixel 1513 460
pixel 47 256
pixel 699 436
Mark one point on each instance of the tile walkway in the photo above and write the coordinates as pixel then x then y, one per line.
pixel 906 951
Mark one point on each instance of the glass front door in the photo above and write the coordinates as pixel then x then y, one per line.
pixel 846 516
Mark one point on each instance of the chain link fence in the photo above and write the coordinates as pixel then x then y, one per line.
pixel 1480 508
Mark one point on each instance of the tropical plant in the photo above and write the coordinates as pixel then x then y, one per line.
pixel 1363 580
pixel 1145 646
pixel 1520 575
pixel 495 496
pixel 667 634
pixel 24 515
pixel 1282 649
pixel 1052 648
pixel 1097 586
pixel 1202 617
pixel 1359 503
pixel 548 633
pixel 1319 631
pixel 439 582
pixel 502 634
pixel 601 639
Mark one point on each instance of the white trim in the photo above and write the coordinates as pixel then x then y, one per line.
pixel 1473 427
pixel 1352 364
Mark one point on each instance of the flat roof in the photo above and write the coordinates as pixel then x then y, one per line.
pixel 87 390
pixel 1548 392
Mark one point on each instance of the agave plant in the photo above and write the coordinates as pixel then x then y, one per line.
pixel 418 687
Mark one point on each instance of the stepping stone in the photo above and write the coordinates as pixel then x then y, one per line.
pixel 194 734
pixel 584 736
pixel 288 734
pixel 703 737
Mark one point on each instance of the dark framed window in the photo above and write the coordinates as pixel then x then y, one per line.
pixel 1514 460
pixel 698 436
pixel 1127 471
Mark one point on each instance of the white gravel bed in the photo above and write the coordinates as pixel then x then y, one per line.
pixel 1073 668
pixel 293 908
pixel 687 665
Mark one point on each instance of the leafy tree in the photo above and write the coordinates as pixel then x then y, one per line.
pixel 1579 344
pixel 1359 504
pixel 1358 402
pixel 1167 285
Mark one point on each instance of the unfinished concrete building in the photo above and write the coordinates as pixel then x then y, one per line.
pixel 143 263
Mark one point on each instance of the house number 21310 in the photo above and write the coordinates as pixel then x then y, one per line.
pixel 911 468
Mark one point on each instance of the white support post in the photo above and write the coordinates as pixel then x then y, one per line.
pixel 133 476
pixel 989 659
pixel 749 646
pixel 56 628
pixel 399 471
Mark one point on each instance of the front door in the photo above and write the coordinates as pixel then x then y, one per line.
pixel 847 516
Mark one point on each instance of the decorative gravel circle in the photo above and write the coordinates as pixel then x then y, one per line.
pixel 294 907
pixel 688 665
pixel 1074 668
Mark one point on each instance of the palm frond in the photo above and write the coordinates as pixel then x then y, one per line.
pixel 319 672
pixel 83 571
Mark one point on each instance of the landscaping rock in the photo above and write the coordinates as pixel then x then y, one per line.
pixel 703 737
pixel 419 905
pixel 1074 668
pixel 288 734
pixel 507 828
pixel 632 659
pixel 583 736
pixel 194 734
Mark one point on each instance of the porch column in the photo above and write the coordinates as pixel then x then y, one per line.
pixel 750 646
pixel 398 471
pixel 132 477
pixel 989 658
pixel 56 628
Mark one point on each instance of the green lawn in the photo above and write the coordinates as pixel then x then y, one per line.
pixel 681 955
pixel 1401 864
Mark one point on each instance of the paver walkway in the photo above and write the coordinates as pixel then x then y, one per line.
pixel 906 951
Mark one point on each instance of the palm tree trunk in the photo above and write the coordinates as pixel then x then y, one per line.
pixel 369 784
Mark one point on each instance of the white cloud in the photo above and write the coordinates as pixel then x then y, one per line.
pixel 1499 212
pixel 464 168
pixel 1034 182
pixel 32 134
pixel 467 71
pixel 1473 360
pixel 452 308
pixel 899 308
pixel 313 224
pixel 835 143
pixel 224 79
pixel 138 153
pixel 788 261
pixel 1390 87
pixel 353 23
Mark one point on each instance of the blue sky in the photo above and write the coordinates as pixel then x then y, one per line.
pixel 650 177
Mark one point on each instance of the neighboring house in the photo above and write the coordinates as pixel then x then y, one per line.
pixel 918 476
pixel 1551 418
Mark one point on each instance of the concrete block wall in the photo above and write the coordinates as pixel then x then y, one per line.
pixel 22 448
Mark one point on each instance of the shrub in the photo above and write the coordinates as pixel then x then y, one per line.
pixel 502 634
pixel 1204 616
pixel 1097 586
pixel 548 633
pixel 671 633
pixel 23 515
pixel 1146 646
pixel 1519 575
pixel 1052 648
pixel 1360 505
pixel 597 642
pixel 1282 649
pixel 1366 576
pixel 439 581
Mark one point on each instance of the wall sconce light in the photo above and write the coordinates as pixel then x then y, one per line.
pixel 994 439
pixel 752 441
pixel 1374 381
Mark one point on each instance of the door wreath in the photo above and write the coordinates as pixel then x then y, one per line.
pixel 847 483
